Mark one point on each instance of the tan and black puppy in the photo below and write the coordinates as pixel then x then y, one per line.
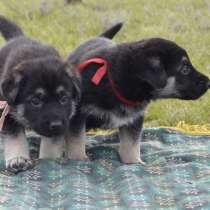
pixel 118 82
pixel 40 93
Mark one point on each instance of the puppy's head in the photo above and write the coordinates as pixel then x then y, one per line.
pixel 42 95
pixel 168 71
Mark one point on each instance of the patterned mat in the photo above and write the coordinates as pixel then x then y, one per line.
pixel 176 176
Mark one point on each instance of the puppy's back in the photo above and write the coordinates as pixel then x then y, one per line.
pixel 88 49
pixel 94 46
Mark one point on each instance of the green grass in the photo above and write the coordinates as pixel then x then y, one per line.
pixel 185 22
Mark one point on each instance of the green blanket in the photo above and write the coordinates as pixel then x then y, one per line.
pixel 176 176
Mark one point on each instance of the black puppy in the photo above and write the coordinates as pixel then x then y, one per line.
pixel 41 94
pixel 118 82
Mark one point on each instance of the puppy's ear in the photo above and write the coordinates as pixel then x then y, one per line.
pixel 155 74
pixel 10 84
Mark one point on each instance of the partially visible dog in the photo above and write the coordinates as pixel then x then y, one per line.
pixel 41 93
pixel 118 82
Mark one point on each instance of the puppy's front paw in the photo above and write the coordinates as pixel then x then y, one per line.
pixel 78 156
pixel 76 149
pixel 18 164
pixel 133 161
pixel 131 158
pixel 128 160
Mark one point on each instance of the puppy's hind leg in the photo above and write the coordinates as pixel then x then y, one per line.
pixel 51 148
pixel 130 142
pixel 76 139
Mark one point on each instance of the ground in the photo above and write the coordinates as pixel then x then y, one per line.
pixel 66 26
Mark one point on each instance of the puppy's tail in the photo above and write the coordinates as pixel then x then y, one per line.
pixel 111 32
pixel 9 29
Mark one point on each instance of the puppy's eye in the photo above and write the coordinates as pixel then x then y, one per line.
pixel 185 62
pixel 36 102
pixel 185 70
pixel 64 100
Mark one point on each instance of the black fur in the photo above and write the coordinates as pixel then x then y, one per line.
pixel 41 91
pixel 132 70
pixel 141 70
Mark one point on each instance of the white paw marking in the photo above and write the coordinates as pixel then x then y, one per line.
pixel 76 146
pixel 76 150
pixel 16 152
pixel 129 149
pixel 18 164
pixel 51 148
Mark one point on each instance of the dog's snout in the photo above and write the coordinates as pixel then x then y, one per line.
pixel 56 125
pixel 53 127
pixel 208 85
pixel 203 82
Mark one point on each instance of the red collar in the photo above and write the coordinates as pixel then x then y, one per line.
pixel 100 73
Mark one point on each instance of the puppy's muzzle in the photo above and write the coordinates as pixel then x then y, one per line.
pixel 203 83
pixel 56 127
pixel 208 84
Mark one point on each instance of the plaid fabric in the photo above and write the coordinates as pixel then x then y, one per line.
pixel 176 176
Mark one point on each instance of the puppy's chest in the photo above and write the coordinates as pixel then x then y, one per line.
pixel 114 118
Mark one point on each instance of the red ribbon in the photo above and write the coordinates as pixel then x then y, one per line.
pixel 100 73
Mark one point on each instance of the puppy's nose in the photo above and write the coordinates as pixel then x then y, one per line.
pixel 209 84
pixel 56 125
